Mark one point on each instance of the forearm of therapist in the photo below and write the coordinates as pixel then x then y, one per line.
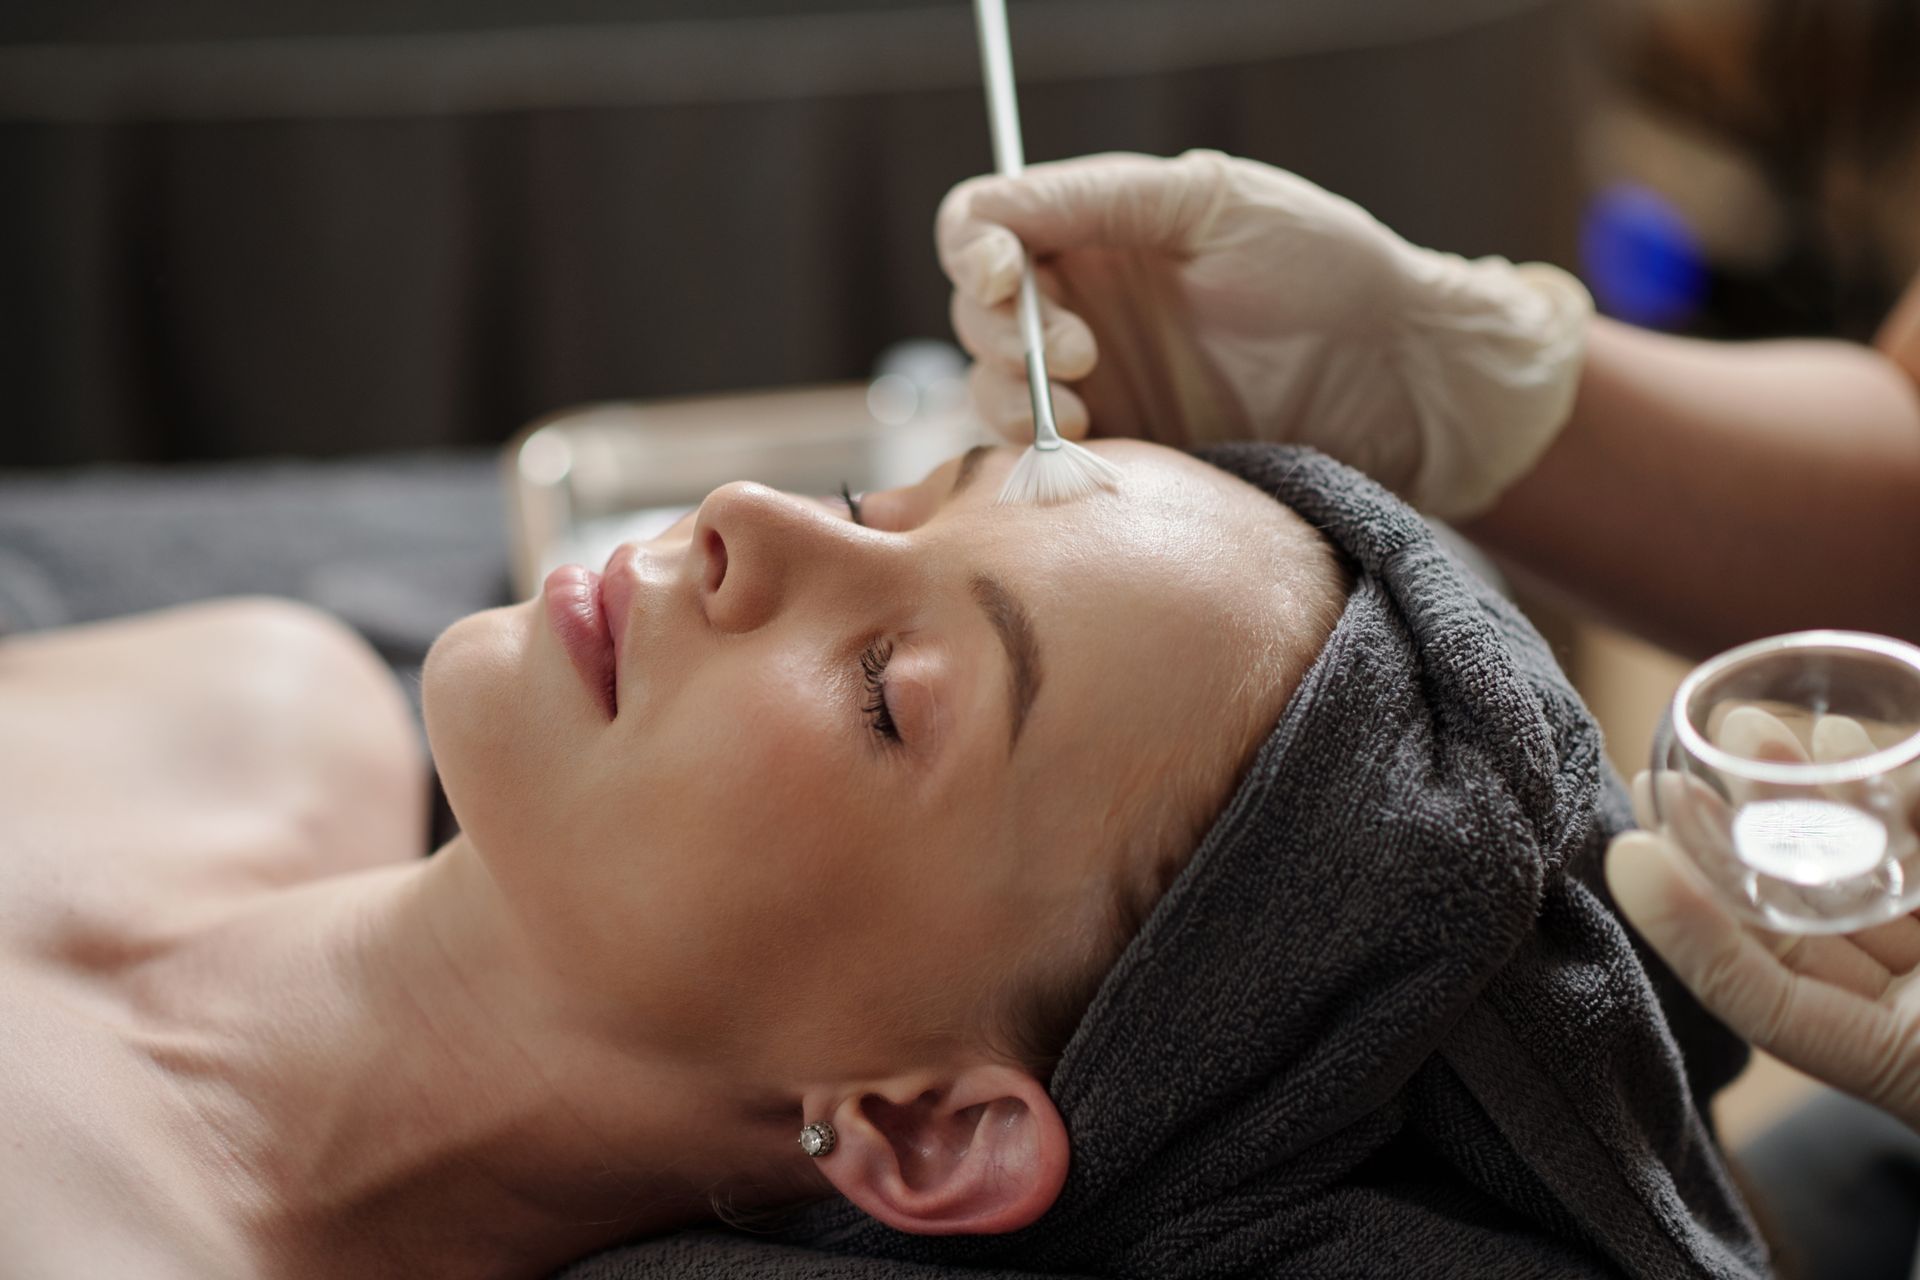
pixel 1704 493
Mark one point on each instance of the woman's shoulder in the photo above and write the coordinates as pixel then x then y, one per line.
pixel 240 646
pixel 240 638
pixel 241 741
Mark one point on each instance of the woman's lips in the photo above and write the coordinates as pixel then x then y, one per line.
pixel 578 616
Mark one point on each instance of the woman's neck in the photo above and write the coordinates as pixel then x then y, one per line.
pixel 379 1074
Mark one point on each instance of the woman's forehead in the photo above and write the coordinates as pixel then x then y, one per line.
pixel 1139 599
pixel 1166 504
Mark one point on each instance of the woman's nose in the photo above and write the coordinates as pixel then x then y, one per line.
pixel 757 550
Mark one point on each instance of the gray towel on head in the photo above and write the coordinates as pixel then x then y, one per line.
pixel 1384 1024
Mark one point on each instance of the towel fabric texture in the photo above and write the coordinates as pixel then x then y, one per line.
pixel 1384 1023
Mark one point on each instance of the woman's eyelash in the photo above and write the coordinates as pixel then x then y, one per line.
pixel 853 503
pixel 874 659
pixel 873 669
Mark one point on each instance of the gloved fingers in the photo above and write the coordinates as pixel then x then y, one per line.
pixel 1756 734
pixel 1114 200
pixel 1753 733
pixel 981 259
pixel 1834 739
pixel 1003 403
pixel 1895 945
pixel 1856 1043
pixel 1835 960
pixel 1838 738
pixel 992 335
pixel 1642 793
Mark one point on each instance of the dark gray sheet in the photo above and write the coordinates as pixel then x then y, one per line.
pixel 399 547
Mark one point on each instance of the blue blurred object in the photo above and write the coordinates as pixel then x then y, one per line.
pixel 1641 259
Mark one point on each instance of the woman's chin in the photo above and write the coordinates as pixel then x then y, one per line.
pixel 478 689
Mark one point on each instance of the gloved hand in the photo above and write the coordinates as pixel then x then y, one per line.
pixel 1838 1007
pixel 1207 298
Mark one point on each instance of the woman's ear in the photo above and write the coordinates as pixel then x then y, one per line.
pixel 978 1152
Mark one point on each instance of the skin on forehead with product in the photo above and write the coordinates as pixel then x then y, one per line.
pixel 841 806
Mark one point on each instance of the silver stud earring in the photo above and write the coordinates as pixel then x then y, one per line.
pixel 817 1139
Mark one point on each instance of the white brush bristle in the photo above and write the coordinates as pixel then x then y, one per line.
pixel 1046 476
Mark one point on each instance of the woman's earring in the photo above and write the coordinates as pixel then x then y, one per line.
pixel 817 1139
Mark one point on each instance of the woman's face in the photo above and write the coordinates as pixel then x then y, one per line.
pixel 855 772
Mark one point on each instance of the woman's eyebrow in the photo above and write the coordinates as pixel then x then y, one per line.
pixel 1014 625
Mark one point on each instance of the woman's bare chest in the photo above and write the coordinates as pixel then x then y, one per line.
pixel 92 1181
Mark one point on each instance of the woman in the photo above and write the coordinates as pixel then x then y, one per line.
pixel 805 813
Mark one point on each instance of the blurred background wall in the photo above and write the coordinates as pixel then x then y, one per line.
pixel 239 227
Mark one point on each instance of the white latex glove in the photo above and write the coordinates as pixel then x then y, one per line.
pixel 1208 298
pixel 1839 1007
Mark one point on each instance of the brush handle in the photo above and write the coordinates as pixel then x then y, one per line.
pixel 1009 158
pixel 996 63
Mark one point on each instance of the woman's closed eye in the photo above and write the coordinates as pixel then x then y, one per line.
pixel 873 659
pixel 853 504
pixel 873 671
pixel 901 510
